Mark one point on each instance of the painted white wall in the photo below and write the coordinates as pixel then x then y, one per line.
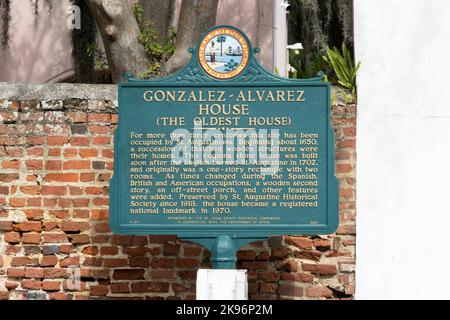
pixel 403 168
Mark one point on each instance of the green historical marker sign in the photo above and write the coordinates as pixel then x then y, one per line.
pixel 224 152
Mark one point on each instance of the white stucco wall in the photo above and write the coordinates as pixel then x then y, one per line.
pixel 403 169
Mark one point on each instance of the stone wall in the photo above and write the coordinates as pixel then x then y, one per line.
pixel 56 159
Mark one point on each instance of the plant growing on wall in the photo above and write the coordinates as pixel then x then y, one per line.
pixel 343 67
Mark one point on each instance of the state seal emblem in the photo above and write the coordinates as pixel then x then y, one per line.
pixel 223 53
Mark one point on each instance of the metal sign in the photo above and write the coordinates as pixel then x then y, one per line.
pixel 224 152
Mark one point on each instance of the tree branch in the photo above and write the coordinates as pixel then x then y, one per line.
pixel 119 31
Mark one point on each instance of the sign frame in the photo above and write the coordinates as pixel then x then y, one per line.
pixel 230 237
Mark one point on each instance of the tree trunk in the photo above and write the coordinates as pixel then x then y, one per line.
pixel 119 31
pixel 196 16
pixel 160 13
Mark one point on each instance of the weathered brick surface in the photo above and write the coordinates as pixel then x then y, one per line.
pixel 55 165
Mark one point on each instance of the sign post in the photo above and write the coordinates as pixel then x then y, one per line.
pixel 224 152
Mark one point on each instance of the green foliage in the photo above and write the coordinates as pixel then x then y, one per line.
pixel 100 60
pixel 138 12
pixel 343 66
pixel 306 68
pixel 157 52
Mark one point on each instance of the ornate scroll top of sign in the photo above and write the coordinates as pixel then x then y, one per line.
pixel 224 152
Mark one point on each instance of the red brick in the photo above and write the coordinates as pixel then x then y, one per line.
pixel 54 152
pixel 34 164
pixel 90 250
pixel 270 276
pixel 55 273
pixel 34 273
pixel 9 177
pixel 59 296
pixel 34 202
pixel 12 237
pixel 80 141
pixel 53 165
pixel 246 255
pixel 134 251
pixel 88 153
pixel 36 140
pixel 62 177
pixel 325 269
pixel 351 143
pixel 30 190
pixel 116 262
pixel 99 117
pixel 99 214
pixel 57 141
pixel 11 285
pixel 6 225
pixel 77 165
pixel 290 290
pixel 98 290
pixel 17 202
pixel 109 251
pixel 31 284
pixel 120 287
pixel 142 262
pixel 48 261
pixel 31 238
pixel 346 230
pixel 102 227
pixel 69 262
pixel 81 202
pixel 268 287
pixel 24 261
pixel 108 153
pixel 55 238
pixel 50 225
pixel 192 251
pixel 11 164
pixel 87 177
pixel 77 117
pixel 94 129
pixel 101 141
pixel 187 263
pixel 128 274
pixel 35 151
pixel 4 190
pixel 74 226
pixel 51 285
pixel 54 190
pixel 79 239
pixel 164 263
pixel 16 272
pixel 70 153
pixel 318 291
pixel 300 242
pixel 162 239
pixel 28 226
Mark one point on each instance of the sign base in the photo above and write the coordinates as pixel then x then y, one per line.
pixel 222 284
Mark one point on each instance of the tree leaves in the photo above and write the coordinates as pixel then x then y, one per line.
pixel 343 66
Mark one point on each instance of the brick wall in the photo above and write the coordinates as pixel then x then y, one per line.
pixel 56 159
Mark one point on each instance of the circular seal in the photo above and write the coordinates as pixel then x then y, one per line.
pixel 223 53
